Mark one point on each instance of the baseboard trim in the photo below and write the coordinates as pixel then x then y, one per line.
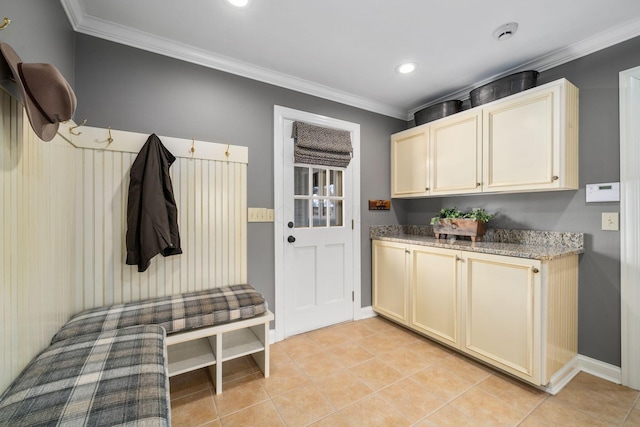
pixel 367 312
pixel 563 376
pixel 600 369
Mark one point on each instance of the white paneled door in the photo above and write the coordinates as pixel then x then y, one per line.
pixel 316 226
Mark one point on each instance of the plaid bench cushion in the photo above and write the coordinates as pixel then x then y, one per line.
pixel 175 313
pixel 117 377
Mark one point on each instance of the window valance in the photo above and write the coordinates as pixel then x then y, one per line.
pixel 318 145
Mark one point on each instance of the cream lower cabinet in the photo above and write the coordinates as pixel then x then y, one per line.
pixel 502 312
pixel 390 278
pixel 434 297
pixel 418 286
pixel 516 314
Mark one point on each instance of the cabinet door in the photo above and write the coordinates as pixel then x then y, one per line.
pixel 434 293
pixel 390 279
pixel 409 163
pixel 455 154
pixel 521 143
pixel 502 312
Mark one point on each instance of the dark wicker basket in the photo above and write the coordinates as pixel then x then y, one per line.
pixel 437 111
pixel 505 86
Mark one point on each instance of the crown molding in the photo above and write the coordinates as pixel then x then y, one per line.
pixel 86 24
pixel 577 50
pixel 92 26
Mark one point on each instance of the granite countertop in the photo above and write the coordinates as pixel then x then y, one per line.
pixel 532 244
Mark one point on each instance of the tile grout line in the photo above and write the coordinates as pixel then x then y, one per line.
pixel 633 405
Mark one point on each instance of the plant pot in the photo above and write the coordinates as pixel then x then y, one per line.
pixel 460 227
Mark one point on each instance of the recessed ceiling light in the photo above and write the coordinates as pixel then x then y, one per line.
pixel 406 68
pixel 506 31
pixel 239 3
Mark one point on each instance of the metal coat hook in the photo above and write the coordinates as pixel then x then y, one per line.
pixel 5 23
pixel 193 146
pixel 226 153
pixel 110 139
pixel 77 126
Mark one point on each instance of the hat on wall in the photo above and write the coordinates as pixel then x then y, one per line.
pixel 46 95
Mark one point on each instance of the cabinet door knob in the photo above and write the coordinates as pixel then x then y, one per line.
pixel 478 184
pixel 535 270
pixel 426 189
pixel 458 258
pixel 555 178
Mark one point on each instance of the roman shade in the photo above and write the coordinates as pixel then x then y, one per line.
pixel 318 145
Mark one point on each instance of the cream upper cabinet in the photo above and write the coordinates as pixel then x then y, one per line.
pixel 390 277
pixel 409 172
pixel 524 142
pixel 502 312
pixel 530 140
pixel 455 154
pixel 435 293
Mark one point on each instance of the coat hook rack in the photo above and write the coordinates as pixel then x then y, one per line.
pixel 72 128
pixel 5 23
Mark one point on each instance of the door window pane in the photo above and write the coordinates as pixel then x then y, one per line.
pixel 301 213
pixel 335 214
pixel 301 181
pixel 319 182
pixel 318 197
pixel 335 183
pixel 319 213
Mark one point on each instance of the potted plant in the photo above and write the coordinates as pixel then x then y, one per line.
pixel 451 221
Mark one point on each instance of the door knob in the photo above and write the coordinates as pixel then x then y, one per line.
pixel 290 224
pixel 291 239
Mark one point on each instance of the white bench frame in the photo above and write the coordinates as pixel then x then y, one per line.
pixel 212 346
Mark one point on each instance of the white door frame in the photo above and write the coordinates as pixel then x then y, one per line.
pixel 280 114
pixel 630 226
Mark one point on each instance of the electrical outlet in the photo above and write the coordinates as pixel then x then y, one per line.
pixel 610 221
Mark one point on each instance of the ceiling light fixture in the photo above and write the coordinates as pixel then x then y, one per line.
pixel 406 68
pixel 506 31
pixel 239 3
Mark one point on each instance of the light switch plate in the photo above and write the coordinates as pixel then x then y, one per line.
pixel 610 221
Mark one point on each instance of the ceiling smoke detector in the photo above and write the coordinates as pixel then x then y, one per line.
pixel 506 31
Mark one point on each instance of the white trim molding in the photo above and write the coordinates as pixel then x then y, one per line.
pixel 630 226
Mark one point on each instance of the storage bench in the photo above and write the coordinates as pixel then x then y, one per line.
pixel 111 365
pixel 204 328
pixel 107 378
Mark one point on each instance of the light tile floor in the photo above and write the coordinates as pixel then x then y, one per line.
pixel 375 373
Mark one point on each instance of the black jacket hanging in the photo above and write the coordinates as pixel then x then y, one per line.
pixel 152 215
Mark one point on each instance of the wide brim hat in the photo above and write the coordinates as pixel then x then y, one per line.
pixel 47 96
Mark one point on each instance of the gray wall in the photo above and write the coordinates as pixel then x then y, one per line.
pixel 134 90
pixel 40 32
pixel 596 76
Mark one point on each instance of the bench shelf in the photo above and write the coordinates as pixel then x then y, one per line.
pixel 210 347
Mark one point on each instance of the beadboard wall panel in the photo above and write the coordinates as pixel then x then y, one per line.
pixel 63 227
pixel 37 229
pixel 211 200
